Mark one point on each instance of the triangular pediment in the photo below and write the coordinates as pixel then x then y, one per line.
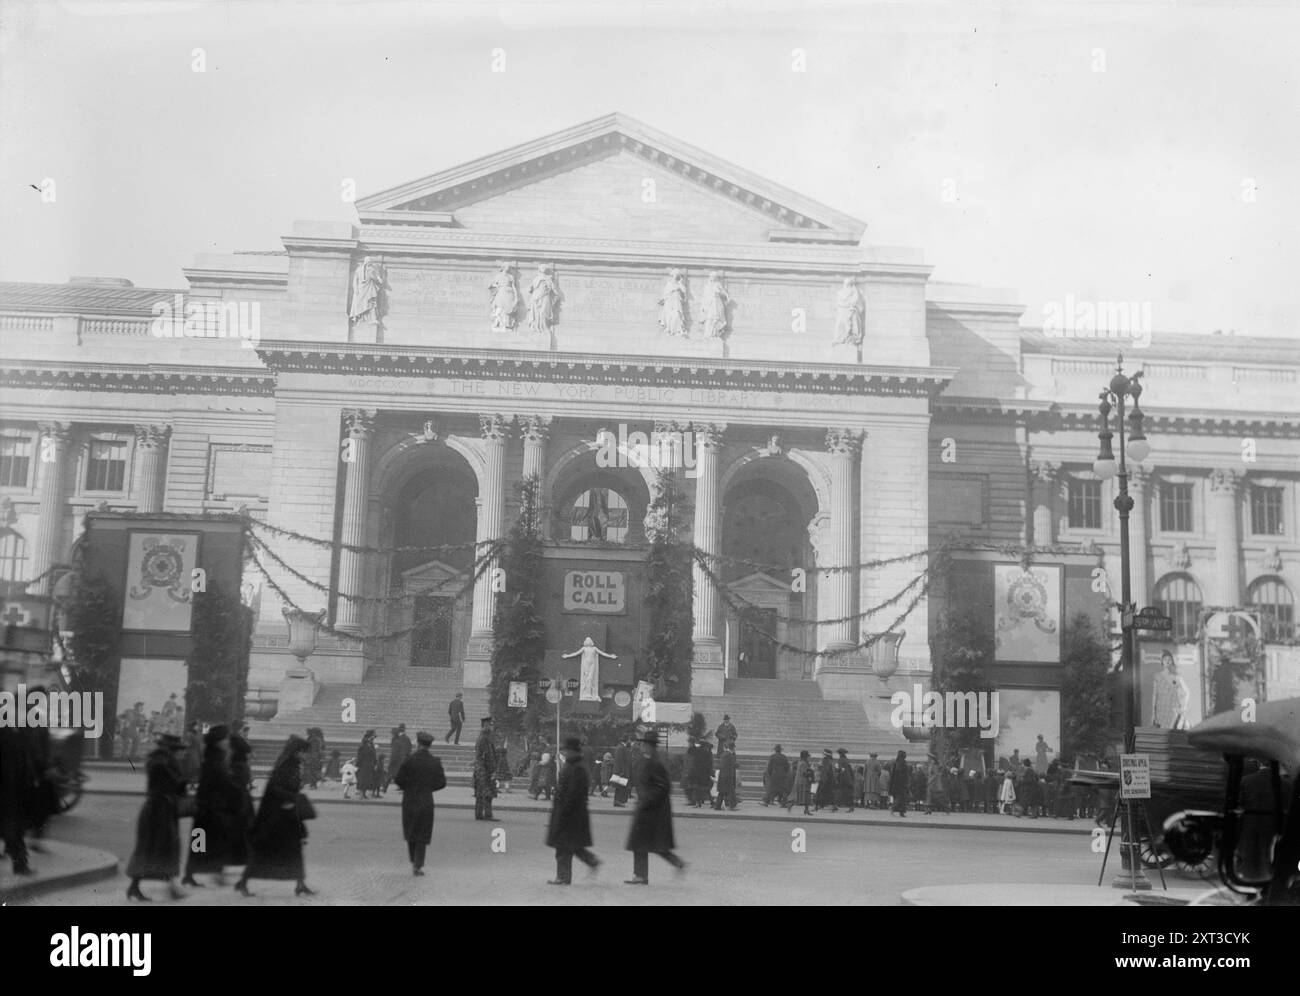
pixel 759 583
pixel 432 576
pixel 607 175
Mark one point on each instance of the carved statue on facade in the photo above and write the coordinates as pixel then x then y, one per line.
pixel 367 291
pixel 543 301
pixel 850 308
pixel 505 298
pixel 672 312
pixel 716 320
pixel 1180 558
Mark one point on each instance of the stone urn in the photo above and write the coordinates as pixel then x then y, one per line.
pixel 298 689
pixel 303 630
pixel 884 654
pixel 916 734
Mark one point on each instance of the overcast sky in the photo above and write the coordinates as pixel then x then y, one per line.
pixel 1134 152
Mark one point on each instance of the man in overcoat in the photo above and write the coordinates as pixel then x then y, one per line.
pixel 419 777
pixel 652 823
pixel 570 829
pixel 485 766
pixel 776 778
pixel 399 749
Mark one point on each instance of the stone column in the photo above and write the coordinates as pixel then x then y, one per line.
pixel 842 445
pixel 151 451
pixel 1047 479
pixel 491 523
pixel 360 425
pixel 52 457
pixel 1225 488
pixel 1139 479
pixel 535 430
pixel 707 671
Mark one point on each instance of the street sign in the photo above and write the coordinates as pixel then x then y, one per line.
pixel 1135 776
pixel 553 695
pixel 1153 619
pixel 571 685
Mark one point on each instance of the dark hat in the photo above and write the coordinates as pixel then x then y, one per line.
pixel 485 720
pixel 777 748
pixel 170 741
pixel 842 752
pixel 827 753
pixel 460 695
pixel 873 755
pixel 424 739
pixel 725 718
pixel 216 734
pixel 401 727
pixel 573 744
pixel 370 733
pixel 650 737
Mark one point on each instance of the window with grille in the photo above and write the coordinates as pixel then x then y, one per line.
pixel 15 461
pixel 1176 508
pixel 106 465
pixel 13 560
pixel 1265 511
pixel 1272 599
pixel 1179 597
pixel 1085 504
pixel 599 514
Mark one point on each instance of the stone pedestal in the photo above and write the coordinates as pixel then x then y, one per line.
pixel 845 352
pixel 478 664
pixel 365 332
pixel 708 676
pixel 845 677
pixel 297 690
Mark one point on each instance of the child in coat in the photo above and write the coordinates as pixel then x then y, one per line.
pixel 349 775
pixel 1007 794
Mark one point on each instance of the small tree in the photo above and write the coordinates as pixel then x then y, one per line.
pixel 669 592
pixel 217 666
pixel 962 654
pixel 93 614
pixel 519 642
pixel 1086 688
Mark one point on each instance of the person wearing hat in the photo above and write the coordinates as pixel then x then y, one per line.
pixel 218 805
pixel 570 828
pixel 622 770
pixel 900 784
pixel 843 796
pixel 801 793
pixel 419 776
pixel 702 772
pixel 279 829
pixel 399 749
pixel 485 766
pixel 826 783
pixel 776 777
pixel 652 823
pixel 871 781
pixel 456 712
pixel 726 733
pixel 728 775
pixel 157 853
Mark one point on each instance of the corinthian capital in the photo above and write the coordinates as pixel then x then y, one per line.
pixel 843 442
pixel 494 427
pixel 152 436
pixel 1046 471
pixel 360 422
pixel 1225 480
pixel 59 432
pixel 535 428
pixel 708 435
pixel 1138 477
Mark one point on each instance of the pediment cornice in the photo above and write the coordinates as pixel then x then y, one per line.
pixel 143 378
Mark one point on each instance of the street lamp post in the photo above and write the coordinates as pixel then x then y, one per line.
pixel 1130 875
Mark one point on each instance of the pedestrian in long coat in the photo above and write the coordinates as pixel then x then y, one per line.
pixel 419 776
pixel 218 809
pixel 900 784
pixel 623 769
pixel 934 792
pixel 652 823
pixel 366 765
pixel 241 773
pixel 279 829
pixel 825 781
pixel 776 778
pixel 193 758
pixel 702 773
pixel 871 778
pixel 157 852
pixel 727 773
pixel 570 827
pixel 399 749
pixel 485 766
pixel 844 781
pixel 801 791
pixel 18 788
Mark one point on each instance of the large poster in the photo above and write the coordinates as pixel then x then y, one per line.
pixel 1169 685
pixel 150 701
pixel 1029 722
pixel 159 571
pixel 1027 613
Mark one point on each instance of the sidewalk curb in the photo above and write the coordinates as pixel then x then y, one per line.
pixel 1082 828
pixel 25 890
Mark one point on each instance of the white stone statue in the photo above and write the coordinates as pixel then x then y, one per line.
pixel 672 313
pixel 505 299
pixel 850 308
pixel 589 669
pixel 543 301
pixel 716 322
pixel 367 287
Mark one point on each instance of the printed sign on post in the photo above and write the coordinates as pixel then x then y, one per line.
pixel 1135 776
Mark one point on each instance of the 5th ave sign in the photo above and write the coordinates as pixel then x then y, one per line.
pixel 1152 619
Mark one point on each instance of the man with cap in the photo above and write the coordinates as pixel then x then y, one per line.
pixel 456 711
pixel 622 770
pixel 485 766
pixel 399 749
pixel 652 823
pixel 570 829
pixel 776 777
pixel 419 777
pixel 726 733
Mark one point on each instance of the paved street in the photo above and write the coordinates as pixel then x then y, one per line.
pixel 355 855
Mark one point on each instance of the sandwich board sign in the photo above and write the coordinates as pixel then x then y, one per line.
pixel 1135 776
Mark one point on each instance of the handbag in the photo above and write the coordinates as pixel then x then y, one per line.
pixel 618 780
pixel 304 808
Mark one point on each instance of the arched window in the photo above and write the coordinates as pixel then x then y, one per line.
pixel 599 514
pixel 1272 598
pixel 13 561
pixel 1179 597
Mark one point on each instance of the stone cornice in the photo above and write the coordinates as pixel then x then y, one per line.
pixel 1047 416
pixel 144 378
pixel 357 358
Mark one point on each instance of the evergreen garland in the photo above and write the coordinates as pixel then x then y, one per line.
pixel 962 655
pixel 1086 690
pixel 93 613
pixel 519 640
pixel 218 663
pixel 669 592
